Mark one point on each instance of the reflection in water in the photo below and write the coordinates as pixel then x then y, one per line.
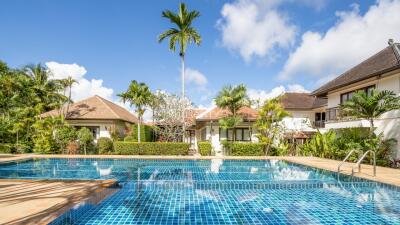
pixel 216 164
pixel 103 171
pixel 291 174
pixel 209 194
pixel 253 170
pixel 249 197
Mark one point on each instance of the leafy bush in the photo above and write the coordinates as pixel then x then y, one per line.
pixel 146 133
pixel 64 135
pixel 204 148
pixel 43 137
pixel 244 148
pixel 105 145
pixel 335 144
pixel 321 145
pixel 130 139
pixel 151 148
pixel 6 148
pixel 72 147
pixel 85 137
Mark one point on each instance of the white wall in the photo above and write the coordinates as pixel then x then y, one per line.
pixel 104 132
pixel 213 136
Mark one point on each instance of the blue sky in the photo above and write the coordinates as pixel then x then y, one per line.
pixel 271 46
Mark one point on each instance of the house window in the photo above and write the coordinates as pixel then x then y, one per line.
pixel 348 95
pixel 242 134
pixel 230 134
pixel 203 134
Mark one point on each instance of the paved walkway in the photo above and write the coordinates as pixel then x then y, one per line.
pixel 38 202
pixel 383 174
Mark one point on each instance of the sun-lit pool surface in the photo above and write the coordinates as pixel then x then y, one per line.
pixel 217 192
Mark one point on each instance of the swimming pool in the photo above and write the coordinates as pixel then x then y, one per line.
pixel 217 192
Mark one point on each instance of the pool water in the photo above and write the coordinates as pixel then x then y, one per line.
pixel 217 192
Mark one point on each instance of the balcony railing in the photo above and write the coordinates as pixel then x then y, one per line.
pixel 335 114
pixel 319 124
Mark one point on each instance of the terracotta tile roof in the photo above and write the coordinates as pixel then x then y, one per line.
pixel 191 115
pixel 96 107
pixel 301 101
pixel 382 62
pixel 247 113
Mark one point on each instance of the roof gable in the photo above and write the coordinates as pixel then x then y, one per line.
pixel 301 101
pixel 217 113
pixel 95 107
pixel 384 61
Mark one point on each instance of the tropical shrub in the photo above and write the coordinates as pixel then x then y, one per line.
pixel 105 145
pixel 151 148
pixel 130 139
pixel 244 148
pixel 204 148
pixel 43 137
pixel 6 148
pixel 336 144
pixel 72 148
pixel 321 145
pixel 64 135
pixel 85 137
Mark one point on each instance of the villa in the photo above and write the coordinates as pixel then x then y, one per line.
pixel 307 115
pixel 99 115
pixel 381 72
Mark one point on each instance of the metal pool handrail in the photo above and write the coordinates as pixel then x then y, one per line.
pixel 358 164
pixel 345 159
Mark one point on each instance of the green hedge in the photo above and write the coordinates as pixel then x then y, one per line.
pixel 151 148
pixel 204 148
pixel 146 134
pixel 105 145
pixel 244 148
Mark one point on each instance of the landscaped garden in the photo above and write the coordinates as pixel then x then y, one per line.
pixel 23 130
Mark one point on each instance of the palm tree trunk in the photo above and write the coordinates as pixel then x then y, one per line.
pixel 138 134
pixel 183 96
pixel 371 128
pixel 69 100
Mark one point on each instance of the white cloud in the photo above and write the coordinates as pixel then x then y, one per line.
pixel 257 94
pixel 195 76
pixel 255 28
pixel 296 88
pixel 84 88
pixel 352 39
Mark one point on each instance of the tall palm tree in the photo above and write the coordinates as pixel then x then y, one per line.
pixel 371 106
pixel 183 34
pixel 69 82
pixel 232 98
pixel 46 90
pixel 138 95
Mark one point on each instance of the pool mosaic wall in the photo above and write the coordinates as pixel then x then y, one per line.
pixel 217 192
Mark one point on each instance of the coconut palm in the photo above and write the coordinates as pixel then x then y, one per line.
pixel 138 95
pixel 183 34
pixel 46 90
pixel 371 106
pixel 69 82
pixel 232 98
pixel 270 114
